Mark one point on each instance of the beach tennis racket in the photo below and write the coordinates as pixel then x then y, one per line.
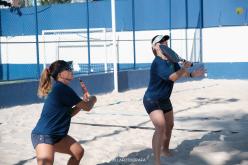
pixel 88 103
pixel 171 54
pixel 83 86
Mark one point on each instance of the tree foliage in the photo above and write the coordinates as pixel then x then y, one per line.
pixel 47 2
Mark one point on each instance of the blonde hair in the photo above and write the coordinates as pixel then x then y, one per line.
pixel 45 83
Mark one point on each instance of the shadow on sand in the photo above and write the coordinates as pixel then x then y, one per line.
pixel 202 101
pixel 234 140
pixel 182 152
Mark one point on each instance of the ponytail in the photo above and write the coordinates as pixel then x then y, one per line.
pixel 154 52
pixel 54 69
pixel 45 83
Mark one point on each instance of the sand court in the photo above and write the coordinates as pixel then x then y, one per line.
pixel 211 118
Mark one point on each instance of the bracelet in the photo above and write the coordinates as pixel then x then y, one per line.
pixel 190 75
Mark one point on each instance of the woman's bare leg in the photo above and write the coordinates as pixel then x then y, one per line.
pixel 169 123
pixel 70 146
pixel 44 154
pixel 158 121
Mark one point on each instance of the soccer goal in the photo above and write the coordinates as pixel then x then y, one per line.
pixel 72 45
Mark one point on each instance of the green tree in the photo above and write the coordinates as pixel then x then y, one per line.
pixel 47 2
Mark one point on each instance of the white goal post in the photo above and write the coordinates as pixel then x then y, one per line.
pixel 57 44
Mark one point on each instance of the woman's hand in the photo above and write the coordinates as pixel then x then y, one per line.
pixel 198 72
pixel 187 64
pixel 86 96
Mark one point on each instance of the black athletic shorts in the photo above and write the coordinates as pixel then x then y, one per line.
pixel 47 139
pixel 163 104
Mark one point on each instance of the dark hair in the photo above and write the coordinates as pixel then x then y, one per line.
pixel 54 69
pixel 59 66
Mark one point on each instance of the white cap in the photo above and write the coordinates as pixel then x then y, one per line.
pixel 158 38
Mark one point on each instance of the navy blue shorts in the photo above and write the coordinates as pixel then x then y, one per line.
pixel 47 139
pixel 151 105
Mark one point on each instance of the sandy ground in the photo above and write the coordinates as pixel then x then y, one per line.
pixel 211 121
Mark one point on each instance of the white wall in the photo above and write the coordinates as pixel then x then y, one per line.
pixel 225 44
pixel 222 44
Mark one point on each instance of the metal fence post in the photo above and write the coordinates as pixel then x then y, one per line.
pixel 37 39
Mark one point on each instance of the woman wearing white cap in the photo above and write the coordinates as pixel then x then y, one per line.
pixel 163 74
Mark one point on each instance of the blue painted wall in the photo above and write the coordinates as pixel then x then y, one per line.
pixel 148 14
pixel 133 79
pixel 96 84
pixel 23 93
pixel 18 71
pixel 10 72
pixel 18 93
pixel 218 70
pixel 227 70
pixel 223 13
pixel 104 82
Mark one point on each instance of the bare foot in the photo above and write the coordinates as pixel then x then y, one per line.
pixel 166 153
